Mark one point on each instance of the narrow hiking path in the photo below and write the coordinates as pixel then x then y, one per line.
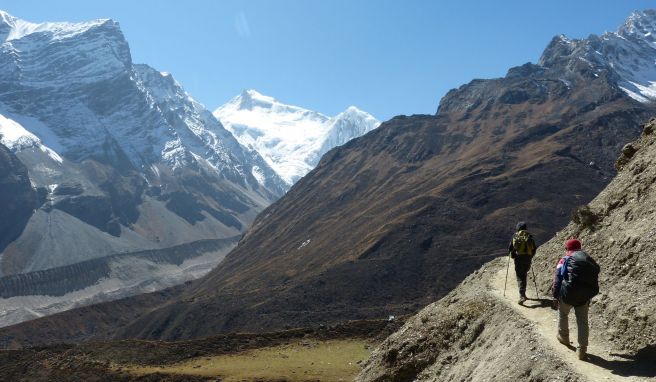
pixel 538 312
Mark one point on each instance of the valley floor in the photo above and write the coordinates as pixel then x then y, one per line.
pixel 324 353
pixel 307 360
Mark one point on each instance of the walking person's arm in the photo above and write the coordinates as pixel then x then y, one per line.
pixel 558 280
pixel 511 248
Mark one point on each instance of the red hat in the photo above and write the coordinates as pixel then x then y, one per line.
pixel 572 245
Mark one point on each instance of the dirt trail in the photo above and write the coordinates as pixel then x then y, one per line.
pixel 545 323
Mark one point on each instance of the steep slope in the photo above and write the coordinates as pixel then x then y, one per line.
pixel 122 158
pixel 395 219
pixel 473 333
pixel 291 139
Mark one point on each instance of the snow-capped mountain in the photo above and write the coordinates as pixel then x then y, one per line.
pixel 291 139
pixel 121 157
pixel 164 125
pixel 629 53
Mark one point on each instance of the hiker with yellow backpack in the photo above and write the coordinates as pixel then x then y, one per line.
pixel 522 249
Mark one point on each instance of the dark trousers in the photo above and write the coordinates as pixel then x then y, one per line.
pixel 522 266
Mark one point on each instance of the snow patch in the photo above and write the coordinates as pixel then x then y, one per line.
pixel 258 174
pixel 305 243
pixel 17 138
pixel 634 95
pixel 155 170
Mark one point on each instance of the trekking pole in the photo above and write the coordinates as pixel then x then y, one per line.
pixel 506 283
pixel 535 282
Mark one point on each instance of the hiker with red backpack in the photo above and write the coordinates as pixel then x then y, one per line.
pixel 522 249
pixel 575 283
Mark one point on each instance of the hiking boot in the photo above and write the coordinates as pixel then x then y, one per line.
pixel 522 299
pixel 563 340
pixel 582 353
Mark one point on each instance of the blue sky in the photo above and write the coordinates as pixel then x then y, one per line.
pixel 385 57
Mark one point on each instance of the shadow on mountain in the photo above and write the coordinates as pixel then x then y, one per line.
pixel 16 196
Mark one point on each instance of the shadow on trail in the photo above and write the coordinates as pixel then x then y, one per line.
pixel 533 303
pixel 641 364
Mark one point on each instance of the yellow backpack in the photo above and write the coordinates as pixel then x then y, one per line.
pixel 523 243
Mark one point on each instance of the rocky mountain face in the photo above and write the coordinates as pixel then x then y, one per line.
pixel 396 219
pixel 121 159
pixel 291 139
pixel 453 338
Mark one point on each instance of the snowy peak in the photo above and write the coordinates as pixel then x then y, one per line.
pixel 349 124
pixel 195 136
pixel 354 114
pixel 249 99
pixel 641 24
pixel 631 53
pixel 18 29
pixel 253 100
pixel 61 54
pixel 6 20
pixel 628 55
pixel 290 138
pixel 161 86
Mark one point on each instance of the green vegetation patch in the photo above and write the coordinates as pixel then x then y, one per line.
pixel 335 360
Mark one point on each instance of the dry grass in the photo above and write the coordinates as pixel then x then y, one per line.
pixel 335 360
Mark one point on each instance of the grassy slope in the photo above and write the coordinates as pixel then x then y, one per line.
pixel 324 353
pixel 335 360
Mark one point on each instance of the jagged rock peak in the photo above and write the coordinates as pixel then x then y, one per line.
pixel 624 59
pixel 13 28
pixel 640 23
pixel 54 54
